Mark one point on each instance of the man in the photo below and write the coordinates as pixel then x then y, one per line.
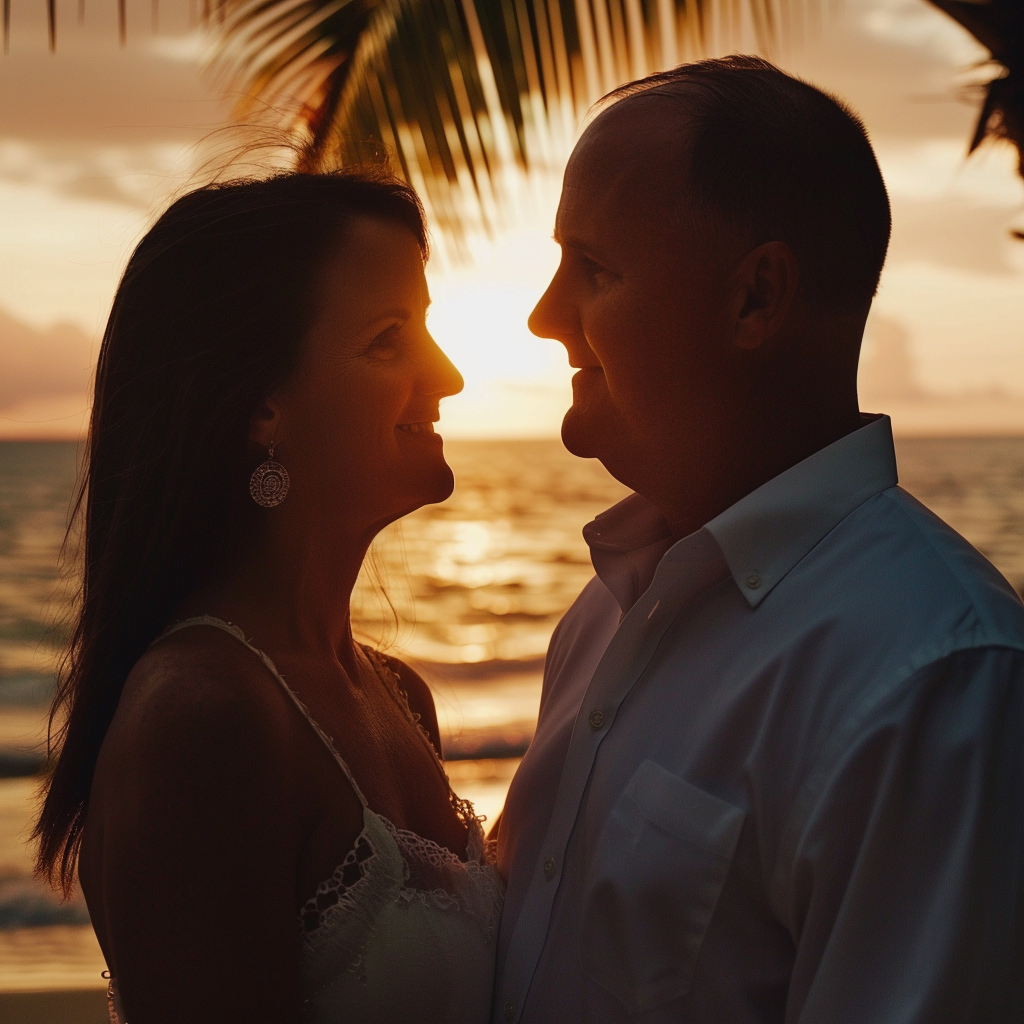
pixel 778 774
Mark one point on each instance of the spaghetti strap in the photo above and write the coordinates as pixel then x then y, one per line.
pixel 238 634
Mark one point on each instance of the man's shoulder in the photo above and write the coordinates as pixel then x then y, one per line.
pixel 595 609
pixel 894 557
pixel 891 590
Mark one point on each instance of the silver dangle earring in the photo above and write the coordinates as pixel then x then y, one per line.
pixel 269 483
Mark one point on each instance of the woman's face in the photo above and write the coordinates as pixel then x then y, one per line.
pixel 355 423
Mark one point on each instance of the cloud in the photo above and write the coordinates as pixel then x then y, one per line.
pixel 912 24
pixel 64 418
pixel 91 91
pixel 872 53
pixel 936 169
pixel 954 234
pixel 55 363
pixel 130 176
pixel 950 210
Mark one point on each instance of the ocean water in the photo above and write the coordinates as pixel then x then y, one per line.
pixel 469 590
pixel 480 578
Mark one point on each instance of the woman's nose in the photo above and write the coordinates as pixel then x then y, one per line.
pixel 444 379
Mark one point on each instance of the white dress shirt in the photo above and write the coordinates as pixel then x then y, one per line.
pixel 778 774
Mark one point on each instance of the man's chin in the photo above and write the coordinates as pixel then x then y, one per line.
pixel 580 437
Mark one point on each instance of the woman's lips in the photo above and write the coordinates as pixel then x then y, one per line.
pixel 416 428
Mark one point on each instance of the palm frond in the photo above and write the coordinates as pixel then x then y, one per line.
pixel 454 93
pixel 999 26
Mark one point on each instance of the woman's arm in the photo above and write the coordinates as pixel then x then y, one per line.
pixel 192 843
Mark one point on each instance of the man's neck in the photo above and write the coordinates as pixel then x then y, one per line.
pixel 716 484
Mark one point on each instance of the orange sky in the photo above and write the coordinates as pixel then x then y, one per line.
pixel 94 139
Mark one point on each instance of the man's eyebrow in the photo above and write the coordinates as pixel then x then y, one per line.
pixel 571 242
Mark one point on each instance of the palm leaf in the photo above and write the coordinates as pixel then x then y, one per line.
pixel 453 93
pixel 999 26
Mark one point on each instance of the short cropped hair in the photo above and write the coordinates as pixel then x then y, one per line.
pixel 779 160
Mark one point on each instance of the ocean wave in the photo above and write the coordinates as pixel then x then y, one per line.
pixel 471 671
pixel 27 689
pixel 497 744
pixel 28 903
pixel 20 762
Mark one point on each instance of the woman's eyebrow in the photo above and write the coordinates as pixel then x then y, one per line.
pixel 394 313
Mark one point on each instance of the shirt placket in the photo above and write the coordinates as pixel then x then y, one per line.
pixel 685 571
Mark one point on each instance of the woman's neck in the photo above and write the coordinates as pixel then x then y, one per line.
pixel 291 591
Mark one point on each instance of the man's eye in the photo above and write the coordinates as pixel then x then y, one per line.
pixel 591 267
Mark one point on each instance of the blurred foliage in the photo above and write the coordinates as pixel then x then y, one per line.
pixel 999 26
pixel 456 93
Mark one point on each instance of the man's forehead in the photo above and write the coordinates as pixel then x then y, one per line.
pixel 632 152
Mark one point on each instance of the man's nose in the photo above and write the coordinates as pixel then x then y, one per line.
pixel 537 318
pixel 557 316
pixel 552 315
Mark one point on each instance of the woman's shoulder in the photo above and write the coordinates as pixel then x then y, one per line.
pixel 418 694
pixel 198 693
pixel 202 667
pixel 410 680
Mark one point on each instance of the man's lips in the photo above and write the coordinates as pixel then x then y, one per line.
pixel 586 373
pixel 416 428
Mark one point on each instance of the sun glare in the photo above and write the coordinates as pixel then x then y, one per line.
pixel 516 384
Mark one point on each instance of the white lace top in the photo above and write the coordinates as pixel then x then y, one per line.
pixel 403 930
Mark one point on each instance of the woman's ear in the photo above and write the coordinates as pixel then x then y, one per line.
pixel 765 283
pixel 264 427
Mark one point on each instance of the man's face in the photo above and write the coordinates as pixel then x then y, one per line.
pixel 641 302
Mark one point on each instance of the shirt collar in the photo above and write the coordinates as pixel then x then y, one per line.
pixel 626 544
pixel 765 534
pixel 762 536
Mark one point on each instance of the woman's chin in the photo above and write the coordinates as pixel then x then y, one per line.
pixel 443 487
pixel 429 488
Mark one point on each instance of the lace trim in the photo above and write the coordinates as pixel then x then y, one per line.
pixel 397 868
pixel 431 875
pixel 477 846
pixel 434 877
pixel 337 892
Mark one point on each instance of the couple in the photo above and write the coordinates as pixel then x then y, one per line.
pixel 778 774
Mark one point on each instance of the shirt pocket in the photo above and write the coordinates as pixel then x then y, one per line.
pixel 651 887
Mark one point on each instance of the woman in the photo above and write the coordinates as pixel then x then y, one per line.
pixel 260 821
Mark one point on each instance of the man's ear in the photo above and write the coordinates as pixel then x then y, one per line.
pixel 264 427
pixel 765 283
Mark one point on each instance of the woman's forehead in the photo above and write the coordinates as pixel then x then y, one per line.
pixel 376 261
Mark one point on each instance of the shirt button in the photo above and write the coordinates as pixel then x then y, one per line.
pixel 549 868
pixel 754 580
pixel 596 719
pixel 510 1010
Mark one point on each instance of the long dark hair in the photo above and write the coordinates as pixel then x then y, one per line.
pixel 207 322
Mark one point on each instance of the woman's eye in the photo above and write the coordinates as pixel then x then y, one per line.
pixel 386 345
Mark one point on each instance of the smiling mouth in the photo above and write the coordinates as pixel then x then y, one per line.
pixel 417 428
